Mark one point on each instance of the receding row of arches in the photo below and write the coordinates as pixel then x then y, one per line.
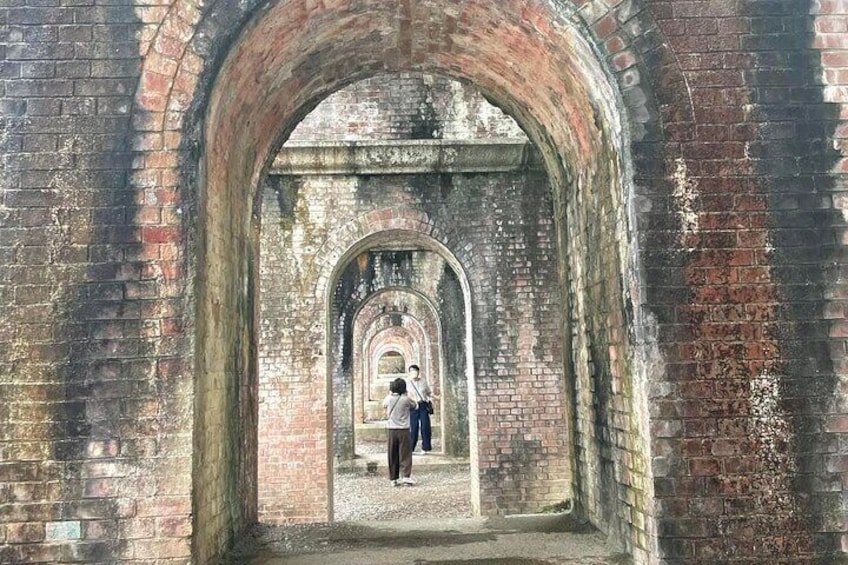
pixel 377 151
pixel 533 354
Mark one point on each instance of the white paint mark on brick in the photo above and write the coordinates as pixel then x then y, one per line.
pixel 54 531
pixel 770 424
pixel 685 194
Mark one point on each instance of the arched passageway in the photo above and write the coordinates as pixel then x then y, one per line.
pixel 390 342
pixel 485 195
pixel 570 110
pixel 387 323
pixel 136 139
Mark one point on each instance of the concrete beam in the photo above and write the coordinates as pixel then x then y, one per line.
pixel 397 157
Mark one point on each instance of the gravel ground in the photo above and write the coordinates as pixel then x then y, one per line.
pixel 429 523
pixel 439 493
pixel 536 540
pixel 373 447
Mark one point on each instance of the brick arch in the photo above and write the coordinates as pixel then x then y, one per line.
pixel 176 57
pixel 181 55
pixel 278 502
pixel 347 412
pixel 385 225
pixel 582 111
pixel 390 226
pixel 388 339
pixel 367 326
pixel 385 342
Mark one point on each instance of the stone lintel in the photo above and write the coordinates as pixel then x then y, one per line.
pixel 399 157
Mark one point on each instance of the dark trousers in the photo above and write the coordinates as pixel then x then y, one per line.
pixel 420 420
pixel 400 454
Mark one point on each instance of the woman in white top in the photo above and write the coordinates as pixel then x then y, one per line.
pixel 398 406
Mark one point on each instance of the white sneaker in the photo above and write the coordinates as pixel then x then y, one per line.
pixel 408 481
pixel 396 483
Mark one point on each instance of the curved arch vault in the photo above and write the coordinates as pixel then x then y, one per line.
pixel 671 362
pixel 291 56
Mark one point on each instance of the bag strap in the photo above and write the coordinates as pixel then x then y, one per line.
pixel 392 409
pixel 421 396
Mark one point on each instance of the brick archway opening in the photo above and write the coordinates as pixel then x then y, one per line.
pixel 398 314
pixel 386 331
pixel 384 360
pixel 284 63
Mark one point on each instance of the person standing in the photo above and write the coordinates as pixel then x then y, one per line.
pixel 398 406
pixel 420 390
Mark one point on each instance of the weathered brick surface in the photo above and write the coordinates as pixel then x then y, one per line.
pixel 94 406
pixel 713 284
pixel 405 106
pixel 518 361
pixel 740 423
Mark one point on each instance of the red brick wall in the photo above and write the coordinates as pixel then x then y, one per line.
pixel 522 460
pixel 95 364
pixel 741 421
pixel 125 383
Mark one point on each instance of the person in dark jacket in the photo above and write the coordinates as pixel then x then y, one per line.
pixel 419 390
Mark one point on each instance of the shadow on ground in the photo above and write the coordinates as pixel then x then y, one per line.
pixel 547 539
pixel 430 523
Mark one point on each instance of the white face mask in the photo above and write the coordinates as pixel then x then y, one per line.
pixel 413 374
